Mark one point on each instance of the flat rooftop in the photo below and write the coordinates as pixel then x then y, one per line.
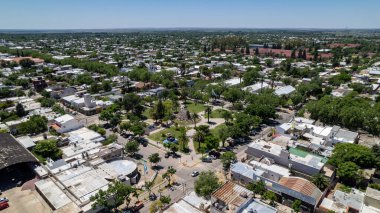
pixel 55 196
pixel 267 147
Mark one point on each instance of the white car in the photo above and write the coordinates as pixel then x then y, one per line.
pixel 194 173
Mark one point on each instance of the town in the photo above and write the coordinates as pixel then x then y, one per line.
pixel 190 121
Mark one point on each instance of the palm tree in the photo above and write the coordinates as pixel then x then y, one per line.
pixel 195 117
pixel 148 186
pixel 320 181
pixel 169 173
pixel 208 111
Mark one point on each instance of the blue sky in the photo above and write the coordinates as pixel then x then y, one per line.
pixel 99 14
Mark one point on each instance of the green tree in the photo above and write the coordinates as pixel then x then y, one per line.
pixel 132 147
pixel 183 140
pixel 358 154
pixel 320 181
pixel 154 158
pixel 195 118
pixel 296 206
pixel 223 134
pixel 148 186
pixel 257 187
pixel 348 173
pixel 165 200
pixel 48 149
pixel 206 183
pixel 169 174
pixel 227 159
pixel 113 197
pixel 208 112
pixel 20 111
pixel 271 196
pixel 251 76
pixel 106 86
pixel 227 116
pixel 26 63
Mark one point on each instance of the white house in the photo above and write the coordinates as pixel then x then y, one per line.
pixel 66 123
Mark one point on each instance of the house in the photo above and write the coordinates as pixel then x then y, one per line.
pixel 233 81
pixel 39 83
pixel 66 123
pixel 255 88
pixel 302 162
pixel 285 91
pixel 371 202
pixel 343 202
pixel 288 187
pixel 229 198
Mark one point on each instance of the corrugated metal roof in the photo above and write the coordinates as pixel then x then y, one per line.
pixel 301 185
pixel 230 193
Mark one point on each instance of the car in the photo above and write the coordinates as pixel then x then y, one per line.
pixel 214 153
pixel 167 155
pixel 152 197
pixel 194 173
pixel 3 199
pixel 138 205
pixel 207 159
pixel 4 205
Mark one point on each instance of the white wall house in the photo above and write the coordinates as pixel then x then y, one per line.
pixel 66 123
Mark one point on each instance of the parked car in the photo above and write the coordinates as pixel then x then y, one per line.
pixel 138 205
pixel 152 197
pixel 207 159
pixel 214 153
pixel 3 199
pixel 194 173
pixel 167 155
pixel 4 205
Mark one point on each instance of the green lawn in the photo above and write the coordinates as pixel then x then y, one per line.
pixel 195 108
pixel 159 136
pixel 215 131
pixel 217 113
pixel 146 113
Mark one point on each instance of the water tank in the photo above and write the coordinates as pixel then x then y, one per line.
pixel 88 101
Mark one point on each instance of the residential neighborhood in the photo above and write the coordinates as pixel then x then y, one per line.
pixel 191 120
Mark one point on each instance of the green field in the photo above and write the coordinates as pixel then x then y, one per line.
pixel 217 113
pixel 158 136
pixel 195 108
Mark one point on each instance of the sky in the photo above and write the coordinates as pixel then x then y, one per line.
pixel 110 14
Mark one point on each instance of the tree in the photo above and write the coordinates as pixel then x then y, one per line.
pixel 227 159
pixel 206 183
pixel 106 85
pixel 106 115
pixel 348 173
pixel 48 149
pixel 26 63
pixel 169 173
pixel 158 112
pixel 20 111
pixel 154 158
pixel 183 140
pixel 320 181
pixel 132 147
pixel 251 76
pixel 227 116
pixel 35 124
pixel 208 111
pixel 201 133
pixel 257 187
pixel 271 196
pixel 148 186
pixel 195 118
pixel 156 206
pixel 233 95
pixel 165 200
pixel 296 206
pixel 223 134
pixel 358 154
pixel 113 197
pixel 137 128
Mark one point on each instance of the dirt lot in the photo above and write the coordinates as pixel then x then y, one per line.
pixel 25 201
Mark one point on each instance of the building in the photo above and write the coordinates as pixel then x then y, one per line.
pixel 285 91
pixel 257 206
pixel 371 202
pixel 343 202
pixel 229 198
pixel 255 88
pixel 66 123
pixel 305 163
pixel 289 188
